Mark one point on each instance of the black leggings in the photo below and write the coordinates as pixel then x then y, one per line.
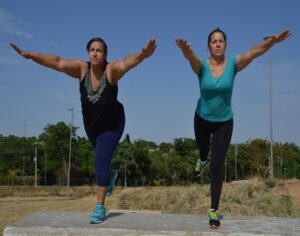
pixel 219 135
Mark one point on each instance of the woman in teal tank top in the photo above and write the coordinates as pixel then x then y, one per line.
pixel 213 121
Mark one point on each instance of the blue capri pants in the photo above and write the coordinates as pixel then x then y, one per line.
pixel 106 143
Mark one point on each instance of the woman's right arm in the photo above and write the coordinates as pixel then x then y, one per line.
pixel 189 54
pixel 73 68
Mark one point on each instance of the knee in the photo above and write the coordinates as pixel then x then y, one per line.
pixel 216 168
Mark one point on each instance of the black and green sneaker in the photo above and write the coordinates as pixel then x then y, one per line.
pixel 214 218
pixel 200 167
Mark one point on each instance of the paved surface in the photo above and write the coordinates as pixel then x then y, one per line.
pixel 143 223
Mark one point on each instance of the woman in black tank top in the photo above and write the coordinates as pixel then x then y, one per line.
pixel 103 114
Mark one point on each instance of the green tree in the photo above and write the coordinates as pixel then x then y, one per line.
pixel 258 156
pixel 56 145
pixel 123 159
pixel 83 154
pixel 291 160
pixel 158 167
pixel 165 147
pixel 183 146
pixel 141 150
pixel 16 154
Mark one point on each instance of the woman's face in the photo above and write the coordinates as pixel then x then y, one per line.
pixel 97 53
pixel 217 44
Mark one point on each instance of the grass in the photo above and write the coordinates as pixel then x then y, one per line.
pixel 255 197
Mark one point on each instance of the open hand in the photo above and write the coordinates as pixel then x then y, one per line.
pixel 280 37
pixel 284 35
pixel 149 49
pixel 183 44
pixel 23 53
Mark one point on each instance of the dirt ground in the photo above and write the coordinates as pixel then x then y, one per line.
pixel 15 208
pixel 292 190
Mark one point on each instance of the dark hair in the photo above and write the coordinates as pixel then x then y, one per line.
pixel 97 39
pixel 217 30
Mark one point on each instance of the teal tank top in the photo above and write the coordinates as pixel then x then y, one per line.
pixel 214 103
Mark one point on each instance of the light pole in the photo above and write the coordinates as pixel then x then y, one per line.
pixel 70 148
pixel 35 165
pixel 271 120
pixel 235 160
pixel 45 170
pixel 125 175
pixel 35 161
pixel 281 164
pixel 187 173
pixel 23 158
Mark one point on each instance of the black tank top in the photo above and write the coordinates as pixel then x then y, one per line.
pixel 101 109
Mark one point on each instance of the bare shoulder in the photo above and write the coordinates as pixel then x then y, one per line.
pixel 80 63
pixel 111 73
pixel 113 65
pixel 243 60
pixel 83 68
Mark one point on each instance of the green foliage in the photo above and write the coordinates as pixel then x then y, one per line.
pixel 82 157
pixel 158 182
pixel 15 154
pixel 123 159
pixel 183 146
pixel 56 140
pixel 165 147
pixel 142 162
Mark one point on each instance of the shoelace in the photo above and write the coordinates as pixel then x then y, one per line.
pixel 213 215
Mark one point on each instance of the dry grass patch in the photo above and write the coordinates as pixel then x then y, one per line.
pixel 249 197
pixel 257 197
pixel 174 199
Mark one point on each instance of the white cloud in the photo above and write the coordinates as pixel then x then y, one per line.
pixel 9 26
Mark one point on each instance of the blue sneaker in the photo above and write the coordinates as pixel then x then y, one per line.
pixel 110 189
pixel 98 215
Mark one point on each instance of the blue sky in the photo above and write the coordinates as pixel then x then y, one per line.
pixel 159 95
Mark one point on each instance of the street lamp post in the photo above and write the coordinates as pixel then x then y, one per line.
pixel 35 161
pixel 35 165
pixel 70 148
pixel 235 160
pixel 45 170
pixel 271 120
pixel 125 175
pixel 281 164
pixel 23 158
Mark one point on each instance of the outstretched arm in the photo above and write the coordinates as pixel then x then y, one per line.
pixel 74 68
pixel 189 55
pixel 259 49
pixel 120 67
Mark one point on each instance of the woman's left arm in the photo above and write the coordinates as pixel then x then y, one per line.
pixel 120 67
pixel 245 59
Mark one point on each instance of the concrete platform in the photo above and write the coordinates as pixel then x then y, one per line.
pixel 142 223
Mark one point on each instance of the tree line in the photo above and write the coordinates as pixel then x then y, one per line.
pixel 139 162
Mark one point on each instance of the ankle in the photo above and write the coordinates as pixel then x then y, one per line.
pixel 213 209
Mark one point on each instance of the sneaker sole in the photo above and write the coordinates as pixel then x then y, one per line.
pixel 96 222
pixel 214 226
